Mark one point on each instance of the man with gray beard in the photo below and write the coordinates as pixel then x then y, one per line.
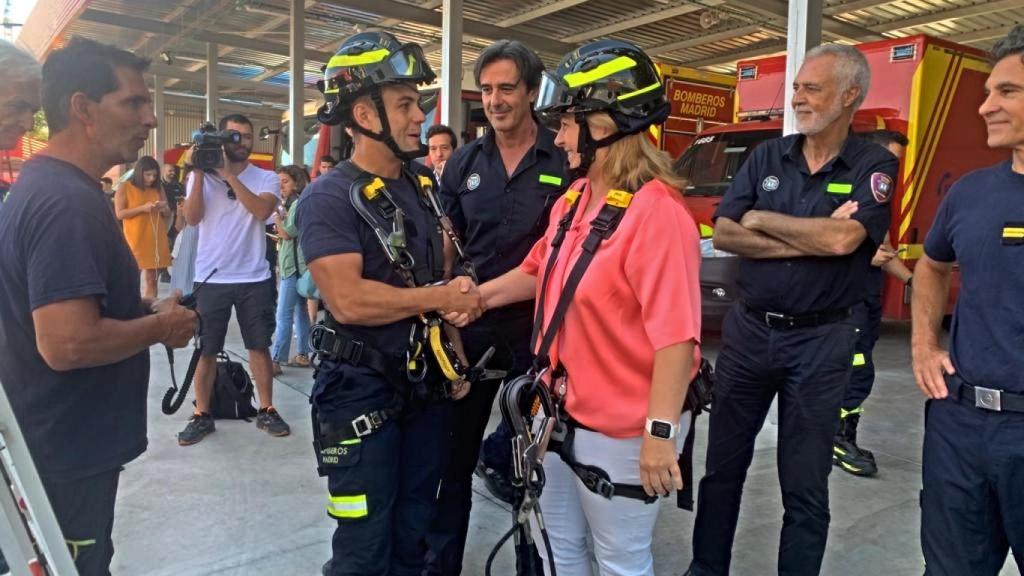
pixel 805 214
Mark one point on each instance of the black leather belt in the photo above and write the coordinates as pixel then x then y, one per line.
pixel 330 344
pixel 782 321
pixel 985 398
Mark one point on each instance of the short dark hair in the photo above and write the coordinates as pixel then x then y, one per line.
pixel 442 129
pixel 330 159
pixel 84 66
pixel 142 165
pixel 526 60
pixel 236 119
pixel 1010 45
pixel 106 180
pixel 886 137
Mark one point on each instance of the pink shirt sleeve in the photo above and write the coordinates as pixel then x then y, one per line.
pixel 534 260
pixel 663 267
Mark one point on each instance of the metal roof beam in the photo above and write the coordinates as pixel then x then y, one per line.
pixel 756 51
pixel 656 15
pixel 165 29
pixel 155 45
pixel 833 26
pixel 540 11
pixel 855 5
pixel 222 80
pixel 407 12
pixel 982 35
pixel 700 40
pixel 951 14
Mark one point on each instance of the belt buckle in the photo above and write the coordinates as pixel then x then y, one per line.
pixel 769 316
pixel 362 426
pixel 988 399
pixel 316 338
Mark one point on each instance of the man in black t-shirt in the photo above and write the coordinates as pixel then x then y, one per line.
pixel 972 502
pixel 74 332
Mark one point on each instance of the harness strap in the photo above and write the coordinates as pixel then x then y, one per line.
pixel 601 228
pixel 596 479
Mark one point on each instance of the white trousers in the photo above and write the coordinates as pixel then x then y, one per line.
pixel 622 528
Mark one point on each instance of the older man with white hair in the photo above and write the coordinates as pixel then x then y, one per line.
pixel 19 96
pixel 805 214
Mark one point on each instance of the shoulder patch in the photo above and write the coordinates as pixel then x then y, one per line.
pixel 881 187
pixel 473 181
pixel 770 184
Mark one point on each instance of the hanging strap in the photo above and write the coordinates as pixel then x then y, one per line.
pixel 174 398
pixel 601 228
pixel 377 207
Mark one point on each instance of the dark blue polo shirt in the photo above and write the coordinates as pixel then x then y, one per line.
pixel 329 224
pixel 498 216
pixel 980 225
pixel 775 177
pixel 59 241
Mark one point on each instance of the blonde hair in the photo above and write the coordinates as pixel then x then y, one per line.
pixel 633 161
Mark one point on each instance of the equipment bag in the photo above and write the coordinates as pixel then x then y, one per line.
pixel 232 396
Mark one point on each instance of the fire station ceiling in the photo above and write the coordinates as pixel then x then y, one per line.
pixel 252 35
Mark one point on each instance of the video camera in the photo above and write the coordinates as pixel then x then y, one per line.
pixel 208 146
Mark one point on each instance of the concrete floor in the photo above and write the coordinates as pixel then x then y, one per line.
pixel 243 503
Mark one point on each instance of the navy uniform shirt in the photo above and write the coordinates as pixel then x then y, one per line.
pixel 500 217
pixel 980 225
pixel 329 224
pixel 59 241
pixel 775 178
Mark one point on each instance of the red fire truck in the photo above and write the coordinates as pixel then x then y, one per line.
pixel 926 88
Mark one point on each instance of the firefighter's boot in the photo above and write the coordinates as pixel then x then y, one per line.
pixel 845 452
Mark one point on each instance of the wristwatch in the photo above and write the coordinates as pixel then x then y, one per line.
pixel 662 429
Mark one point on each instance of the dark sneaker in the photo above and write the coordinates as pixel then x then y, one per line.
pixel 845 452
pixel 199 426
pixel 497 484
pixel 268 420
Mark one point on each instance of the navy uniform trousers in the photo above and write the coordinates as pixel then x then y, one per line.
pixel 867 316
pixel 809 369
pixel 383 486
pixel 972 511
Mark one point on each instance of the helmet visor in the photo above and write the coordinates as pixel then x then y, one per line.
pixel 553 96
pixel 349 72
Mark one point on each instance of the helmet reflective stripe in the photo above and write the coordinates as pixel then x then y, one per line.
pixel 576 79
pixel 644 90
pixel 371 57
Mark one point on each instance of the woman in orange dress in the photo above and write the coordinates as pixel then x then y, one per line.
pixel 142 207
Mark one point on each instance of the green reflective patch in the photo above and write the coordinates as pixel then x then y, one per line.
pixel 839 188
pixel 858 359
pixel 549 179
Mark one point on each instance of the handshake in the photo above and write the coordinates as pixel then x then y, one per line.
pixel 463 302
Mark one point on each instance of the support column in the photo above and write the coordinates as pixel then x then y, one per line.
pixel 160 111
pixel 803 33
pixel 212 93
pixel 297 72
pixel 451 66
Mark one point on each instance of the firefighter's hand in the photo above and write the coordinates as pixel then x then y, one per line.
pixel 464 302
pixel 845 211
pixel 659 467
pixel 931 363
pixel 178 323
pixel 882 256
pixel 460 388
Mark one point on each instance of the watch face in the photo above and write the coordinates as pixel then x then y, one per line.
pixel 661 429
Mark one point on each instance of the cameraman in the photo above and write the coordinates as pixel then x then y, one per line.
pixel 74 332
pixel 230 205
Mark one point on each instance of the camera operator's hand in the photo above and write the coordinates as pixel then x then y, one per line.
pixel 179 323
pixel 224 172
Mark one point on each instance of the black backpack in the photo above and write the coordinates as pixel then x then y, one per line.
pixel 232 390
pixel 232 396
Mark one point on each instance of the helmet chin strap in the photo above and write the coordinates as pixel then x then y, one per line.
pixel 587 146
pixel 385 135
